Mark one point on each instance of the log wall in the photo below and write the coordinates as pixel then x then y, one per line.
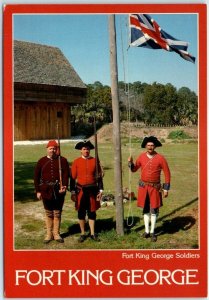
pixel 38 120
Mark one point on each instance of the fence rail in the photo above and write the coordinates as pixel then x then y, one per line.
pixel 162 125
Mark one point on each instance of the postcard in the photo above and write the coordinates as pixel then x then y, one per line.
pixel 128 84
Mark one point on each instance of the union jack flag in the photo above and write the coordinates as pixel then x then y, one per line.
pixel 145 32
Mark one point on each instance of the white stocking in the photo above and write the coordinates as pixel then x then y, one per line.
pixel 153 222
pixel 146 222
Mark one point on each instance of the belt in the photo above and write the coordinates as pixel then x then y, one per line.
pixel 50 182
pixel 93 185
pixel 148 183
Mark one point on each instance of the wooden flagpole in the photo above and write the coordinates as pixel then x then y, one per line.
pixel 116 128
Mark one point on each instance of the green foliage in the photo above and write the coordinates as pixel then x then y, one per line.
pixel 98 102
pixel 159 102
pixel 84 128
pixel 178 134
pixel 187 106
pixel 139 102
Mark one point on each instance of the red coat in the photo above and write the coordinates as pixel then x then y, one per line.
pixel 150 173
pixel 83 171
pixel 47 171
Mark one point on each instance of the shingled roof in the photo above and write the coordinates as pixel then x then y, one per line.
pixel 45 65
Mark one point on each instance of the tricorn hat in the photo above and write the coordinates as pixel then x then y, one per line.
pixel 151 139
pixel 82 144
pixel 52 143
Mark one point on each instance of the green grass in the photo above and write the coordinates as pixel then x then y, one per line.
pixel 177 225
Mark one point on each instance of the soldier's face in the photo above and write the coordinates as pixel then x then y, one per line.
pixel 85 151
pixel 51 151
pixel 150 148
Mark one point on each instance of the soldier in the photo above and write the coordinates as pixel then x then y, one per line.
pixel 51 181
pixel 86 188
pixel 149 190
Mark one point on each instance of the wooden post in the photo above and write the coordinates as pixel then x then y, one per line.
pixel 116 128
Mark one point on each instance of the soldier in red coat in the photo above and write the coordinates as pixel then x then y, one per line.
pixel 51 181
pixel 150 189
pixel 86 188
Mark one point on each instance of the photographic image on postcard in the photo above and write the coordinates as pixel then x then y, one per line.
pixel 62 92
pixel 105 128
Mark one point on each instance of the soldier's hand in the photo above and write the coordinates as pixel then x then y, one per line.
pixel 130 159
pixel 62 189
pixel 99 196
pixel 73 197
pixel 165 194
pixel 38 195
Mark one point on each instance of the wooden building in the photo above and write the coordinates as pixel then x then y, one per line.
pixel 45 88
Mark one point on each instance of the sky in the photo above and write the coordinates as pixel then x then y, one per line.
pixel 84 40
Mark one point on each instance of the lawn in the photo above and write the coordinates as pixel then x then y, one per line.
pixel 177 225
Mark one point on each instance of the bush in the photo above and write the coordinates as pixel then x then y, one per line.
pixel 85 129
pixel 178 135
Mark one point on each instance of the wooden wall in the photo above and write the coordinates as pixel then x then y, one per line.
pixel 38 120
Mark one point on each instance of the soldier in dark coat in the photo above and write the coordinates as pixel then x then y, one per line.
pixel 86 188
pixel 51 181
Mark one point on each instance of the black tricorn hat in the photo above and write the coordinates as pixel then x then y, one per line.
pixel 151 139
pixel 82 144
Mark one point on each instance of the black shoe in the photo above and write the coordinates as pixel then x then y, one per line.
pixel 47 241
pixel 95 238
pixel 60 240
pixel 146 235
pixel 153 237
pixel 82 238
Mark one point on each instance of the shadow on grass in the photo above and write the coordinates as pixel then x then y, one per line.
pixel 105 225
pixel 23 174
pixel 105 168
pixel 101 225
pixel 131 222
pixel 72 229
pixel 176 224
pixel 170 225
pixel 178 209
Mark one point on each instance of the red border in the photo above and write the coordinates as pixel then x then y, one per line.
pixel 39 260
